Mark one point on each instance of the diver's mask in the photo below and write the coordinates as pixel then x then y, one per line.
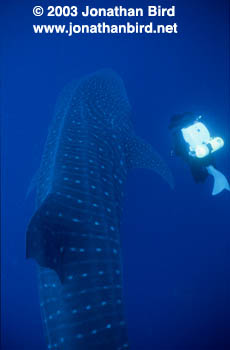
pixel 201 144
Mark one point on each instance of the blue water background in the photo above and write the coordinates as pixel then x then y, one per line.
pixel 175 243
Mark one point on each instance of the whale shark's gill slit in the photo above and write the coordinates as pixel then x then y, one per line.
pixel 74 235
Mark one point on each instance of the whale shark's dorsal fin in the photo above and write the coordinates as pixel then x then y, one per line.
pixel 50 231
pixel 140 154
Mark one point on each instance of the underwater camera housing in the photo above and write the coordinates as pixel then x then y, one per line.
pixel 201 144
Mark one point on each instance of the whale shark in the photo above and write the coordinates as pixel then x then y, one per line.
pixel 74 234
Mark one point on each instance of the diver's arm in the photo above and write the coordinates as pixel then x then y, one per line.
pixel 180 148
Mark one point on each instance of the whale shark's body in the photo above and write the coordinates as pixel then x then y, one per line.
pixel 74 234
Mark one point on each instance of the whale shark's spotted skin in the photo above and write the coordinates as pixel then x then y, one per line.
pixel 75 232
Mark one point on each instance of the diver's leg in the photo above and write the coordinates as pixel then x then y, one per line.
pixel 199 173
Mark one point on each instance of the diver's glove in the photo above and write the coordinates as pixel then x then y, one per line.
pixel 220 181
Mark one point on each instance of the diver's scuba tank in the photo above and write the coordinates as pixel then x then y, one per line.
pixel 201 146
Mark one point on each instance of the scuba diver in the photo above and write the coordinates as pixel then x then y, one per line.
pixel 193 143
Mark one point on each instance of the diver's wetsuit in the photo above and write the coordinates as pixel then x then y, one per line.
pixel 181 148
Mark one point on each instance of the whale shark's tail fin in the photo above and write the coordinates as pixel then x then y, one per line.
pixel 220 181
pixel 140 154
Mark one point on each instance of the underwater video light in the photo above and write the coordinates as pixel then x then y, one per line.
pixel 216 143
pixel 201 151
pixel 201 144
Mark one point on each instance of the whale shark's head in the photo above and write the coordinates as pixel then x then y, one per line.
pixel 105 100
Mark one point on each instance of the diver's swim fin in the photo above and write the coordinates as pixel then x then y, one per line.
pixel 220 181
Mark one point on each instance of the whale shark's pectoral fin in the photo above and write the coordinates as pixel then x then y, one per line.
pixel 220 181
pixel 49 234
pixel 140 154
